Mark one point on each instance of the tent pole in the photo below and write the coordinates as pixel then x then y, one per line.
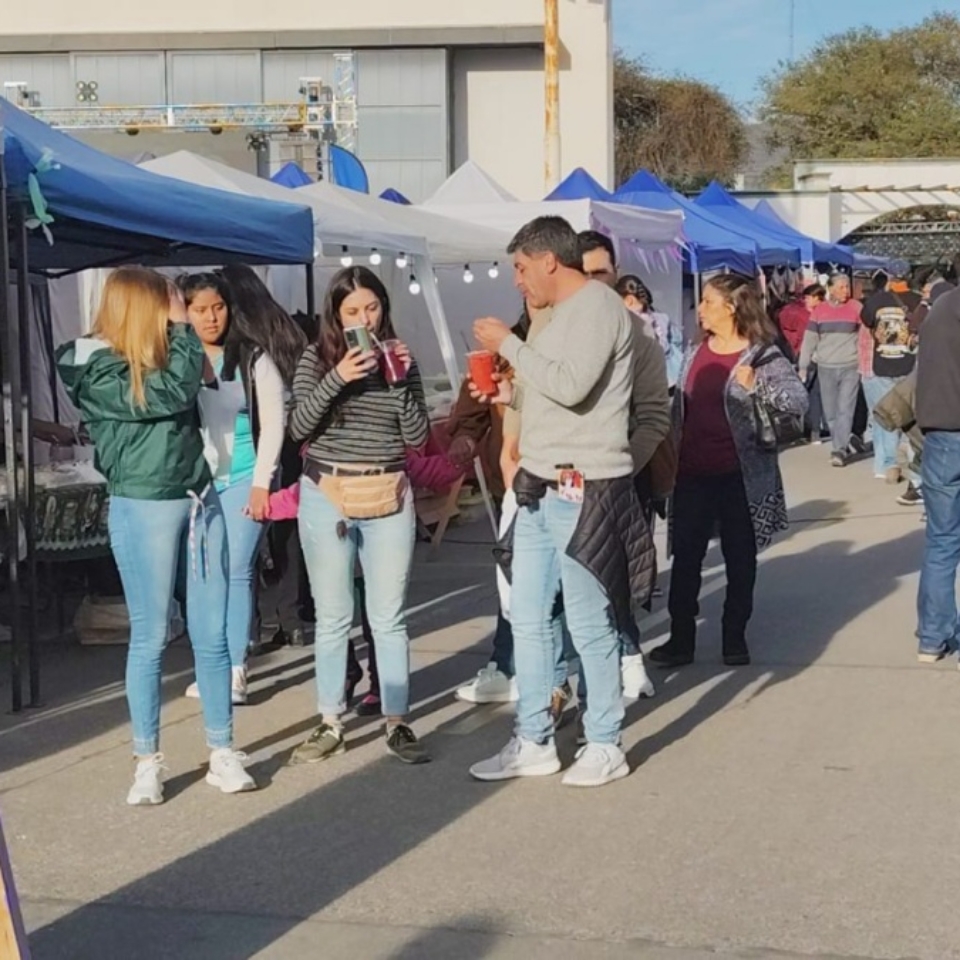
pixel 11 423
pixel 26 408
pixel 551 69
pixel 311 294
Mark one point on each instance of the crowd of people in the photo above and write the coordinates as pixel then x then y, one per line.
pixel 229 433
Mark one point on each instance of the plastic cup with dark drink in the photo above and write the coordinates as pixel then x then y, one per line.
pixel 393 368
pixel 482 365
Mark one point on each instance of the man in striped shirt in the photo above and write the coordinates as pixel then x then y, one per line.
pixel 830 342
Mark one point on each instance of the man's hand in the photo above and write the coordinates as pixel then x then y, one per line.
pixel 503 396
pixel 490 333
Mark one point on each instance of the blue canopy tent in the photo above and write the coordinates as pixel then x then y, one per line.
pixel 776 249
pixel 579 186
pixel 395 196
pixel 65 207
pixel 710 243
pixel 292 175
pixel 812 250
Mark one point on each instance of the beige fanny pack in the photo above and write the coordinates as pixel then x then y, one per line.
pixel 359 492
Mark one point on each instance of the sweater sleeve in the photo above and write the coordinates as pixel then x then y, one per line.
pixel 313 398
pixel 414 421
pixel 650 404
pixel 271 410
pixel 808 349
pixel 570 379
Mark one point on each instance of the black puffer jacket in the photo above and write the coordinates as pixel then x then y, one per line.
pixel 613 541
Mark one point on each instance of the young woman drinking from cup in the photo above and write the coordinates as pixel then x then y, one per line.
pixel 135 381
pixel 252 349
pixel 355 500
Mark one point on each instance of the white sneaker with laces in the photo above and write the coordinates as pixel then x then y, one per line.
pixel 147 789
pixel 238 687
pixel 597 764
pixel 519 758
pixel 489 686
pixel 227 772
pixel 636 682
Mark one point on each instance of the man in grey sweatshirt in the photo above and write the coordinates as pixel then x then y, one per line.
pixel 578 382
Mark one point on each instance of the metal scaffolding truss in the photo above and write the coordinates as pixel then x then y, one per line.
pixel 908 228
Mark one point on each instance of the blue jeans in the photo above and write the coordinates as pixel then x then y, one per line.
pixel 503 649
pixel 540 568
pixel 885 442
pixel 243 539
pixel 150 538
pixel 385 547
pixel 937 599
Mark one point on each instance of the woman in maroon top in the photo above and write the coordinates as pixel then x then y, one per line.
pixel 725 479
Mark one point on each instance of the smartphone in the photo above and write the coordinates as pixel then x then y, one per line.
pixel 358 337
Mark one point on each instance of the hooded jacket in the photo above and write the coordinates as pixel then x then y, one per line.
pixel 154 452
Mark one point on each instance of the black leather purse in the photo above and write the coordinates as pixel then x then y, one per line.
pixel 774 429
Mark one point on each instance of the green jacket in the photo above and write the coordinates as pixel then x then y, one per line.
pixel 153 452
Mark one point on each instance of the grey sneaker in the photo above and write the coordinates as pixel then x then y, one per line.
pixel 325 741
pixel 597 764
pixel 402 742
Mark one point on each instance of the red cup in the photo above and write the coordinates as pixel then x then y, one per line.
pixel 482 365
pixel 394 370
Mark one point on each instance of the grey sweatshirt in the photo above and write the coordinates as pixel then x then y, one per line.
pixel 832 335
pixel 577 385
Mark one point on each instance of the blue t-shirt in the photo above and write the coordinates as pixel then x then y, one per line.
pixel 244 457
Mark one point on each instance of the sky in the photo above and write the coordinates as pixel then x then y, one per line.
pixel 732 43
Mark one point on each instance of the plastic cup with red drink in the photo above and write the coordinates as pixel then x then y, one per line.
pixel 482 365
pixel 392 366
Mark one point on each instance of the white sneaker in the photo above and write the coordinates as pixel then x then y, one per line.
pixel 489 686
pixel 636 683
pixel 227 772
pixel 519 758
pixel 147 789
pixel 238 687
pixel 596 765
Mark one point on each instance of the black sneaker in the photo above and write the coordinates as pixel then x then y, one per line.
pixel 369 706
pixel 326 741
pixel 911 497
pixel 670 655
pixel 402 742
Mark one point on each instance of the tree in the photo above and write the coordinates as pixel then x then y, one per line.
pixel 684 131
pixel 867 94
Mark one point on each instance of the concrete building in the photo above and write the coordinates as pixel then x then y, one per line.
pixel 432 82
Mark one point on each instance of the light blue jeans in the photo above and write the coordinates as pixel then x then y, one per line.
pixel 937 598
pixel 540 567
pixel 885 442
pixel 243 539
pixel 149 539
pixel 385 547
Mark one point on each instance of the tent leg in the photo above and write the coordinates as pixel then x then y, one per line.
pixel 487 499
pixel 26 408
pixel 11 423
pixel 311 294
pixel 423 267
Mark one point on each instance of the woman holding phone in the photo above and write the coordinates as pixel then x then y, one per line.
pixel 358 417
pixel 135 382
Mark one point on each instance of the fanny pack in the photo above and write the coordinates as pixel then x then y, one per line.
pixel 360 492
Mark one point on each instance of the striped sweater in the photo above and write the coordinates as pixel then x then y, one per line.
pixel 832 336
pixel 361 422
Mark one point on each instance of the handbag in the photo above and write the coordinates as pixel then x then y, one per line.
pixel 773 428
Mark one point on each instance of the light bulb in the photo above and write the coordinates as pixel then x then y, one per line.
pixel 494 271
pixel 402 261
pixel 346 260
pixel 467 274
pixel 375 258
pixel 414 286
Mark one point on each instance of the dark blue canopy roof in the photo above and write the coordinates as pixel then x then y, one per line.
pixel 775 247
pixel 711 243
pixel 395 196
pixel 579 186
pixel 814 251
pixel 292 175
pixel 103 210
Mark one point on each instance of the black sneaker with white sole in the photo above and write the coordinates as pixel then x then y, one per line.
pixel 911 497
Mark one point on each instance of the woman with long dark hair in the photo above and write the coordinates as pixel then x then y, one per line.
pixel 725 478
pixel 135 381
pixel 358 418
pixel 252 348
